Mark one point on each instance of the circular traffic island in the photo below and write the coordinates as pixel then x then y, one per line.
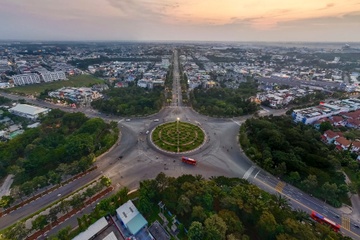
pixel 178 137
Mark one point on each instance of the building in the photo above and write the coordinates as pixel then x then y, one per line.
pixel 25 79
pixel 93 230
pixel 52 76
pixel 28 111
pixel 130 217
pixel 313 114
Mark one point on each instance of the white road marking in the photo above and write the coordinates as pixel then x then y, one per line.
pixel 248 172
pixel 257 173
pixel 236 122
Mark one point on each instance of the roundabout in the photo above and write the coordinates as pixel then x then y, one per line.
pixel 178 137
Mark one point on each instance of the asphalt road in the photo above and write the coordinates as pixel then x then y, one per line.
pixel 219 156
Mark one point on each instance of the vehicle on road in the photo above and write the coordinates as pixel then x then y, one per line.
pixel 156 120
pixel 323 220
pixel 147 132
pixel 128 120
pixel 188 160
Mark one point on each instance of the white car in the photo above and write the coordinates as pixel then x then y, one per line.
pixel 127 120
pixel 156 120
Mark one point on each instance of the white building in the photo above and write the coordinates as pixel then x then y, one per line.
pixel 28 111
pixel 52 76
pixel 24 79
pixel 131 217
pixel 93 230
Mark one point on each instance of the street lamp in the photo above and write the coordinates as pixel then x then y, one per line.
pixel 177 129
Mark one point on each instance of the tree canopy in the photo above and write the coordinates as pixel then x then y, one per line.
pixel 62 138
pixel 130 101
pixel 295 153
pixel 227 208
pixel 226 102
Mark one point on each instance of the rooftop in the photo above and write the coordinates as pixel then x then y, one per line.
pixel 28 109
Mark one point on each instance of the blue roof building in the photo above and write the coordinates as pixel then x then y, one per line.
pixel 131 217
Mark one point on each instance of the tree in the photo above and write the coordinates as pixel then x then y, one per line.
pixel 215 228
pixel 329 190
pixel 310 182
pixel 64 234
pixel 324 126
pixel 184 205
pixel 105 181
pixel 123 195
pixel 39 222
pixel 54 178
pixel 17 231
pixel 52 216
pixel 196 231
pixel 198 214
pixel 77 201
pixel 64 206
pixel 27 188
pixel 40 181
pixel 233 223
pixel 267 225
pixel 6 201
pixel 294 177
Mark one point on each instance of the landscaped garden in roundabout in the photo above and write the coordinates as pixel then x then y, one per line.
pixel 178 137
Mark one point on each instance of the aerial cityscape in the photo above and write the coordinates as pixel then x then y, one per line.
pixel 179 120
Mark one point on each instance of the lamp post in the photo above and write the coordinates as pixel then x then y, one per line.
pixel 177 130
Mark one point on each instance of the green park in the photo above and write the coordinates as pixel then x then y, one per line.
pixel 178 136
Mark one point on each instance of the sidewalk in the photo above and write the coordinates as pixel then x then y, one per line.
pixel 5 188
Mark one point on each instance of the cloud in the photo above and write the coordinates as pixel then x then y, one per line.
pixel 329 5
pixel 144 9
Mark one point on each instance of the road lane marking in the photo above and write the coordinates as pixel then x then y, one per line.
pixel 236 122
pixel 257 173
pixel 248 172
pixel 345 222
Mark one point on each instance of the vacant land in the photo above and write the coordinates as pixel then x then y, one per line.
pixel 75 81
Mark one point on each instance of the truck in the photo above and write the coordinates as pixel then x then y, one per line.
pixel 188 160
pixel 323 220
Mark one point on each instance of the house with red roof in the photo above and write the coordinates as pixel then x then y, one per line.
pixel 353 123
pixel 337 121
pixel 355 146
pixel 329 136
pixel 342 143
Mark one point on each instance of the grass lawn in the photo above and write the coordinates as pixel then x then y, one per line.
pixel 75 81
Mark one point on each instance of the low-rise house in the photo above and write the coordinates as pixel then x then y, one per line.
pixel 131 218
pixel 330 136
pixel 355 146
pixel 353 123
pixel 337 121
pixel 342 143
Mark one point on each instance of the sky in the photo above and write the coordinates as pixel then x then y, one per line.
pixel 181 20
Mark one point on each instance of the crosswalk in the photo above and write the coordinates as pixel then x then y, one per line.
pixel 280 186
pixel 248 172
pixel 345 222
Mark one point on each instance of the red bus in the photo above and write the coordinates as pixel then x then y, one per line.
pixel 188 160
pixel 321 219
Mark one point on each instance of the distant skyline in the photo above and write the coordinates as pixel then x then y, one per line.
pixel 180 20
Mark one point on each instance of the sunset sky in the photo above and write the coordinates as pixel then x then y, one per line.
pixel 209 20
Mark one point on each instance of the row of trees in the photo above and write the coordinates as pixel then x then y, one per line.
pixel 130 101
pixel 225 102
pixel 228 208
pixel 104 207
pixel 19 230
pixel 295 153
pixel 61 138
